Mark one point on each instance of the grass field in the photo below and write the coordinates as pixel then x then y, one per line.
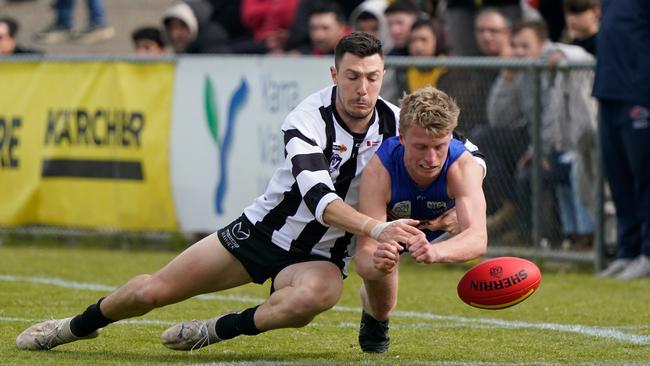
pixel 574 318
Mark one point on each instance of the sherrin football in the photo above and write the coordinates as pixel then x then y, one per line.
pixel 499 283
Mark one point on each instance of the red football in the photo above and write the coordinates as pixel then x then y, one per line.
pixel 499 283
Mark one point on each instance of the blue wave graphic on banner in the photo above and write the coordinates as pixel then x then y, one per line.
pixel 236 102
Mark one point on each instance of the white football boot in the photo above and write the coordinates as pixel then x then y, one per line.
pixel 190 335
pixel 49 334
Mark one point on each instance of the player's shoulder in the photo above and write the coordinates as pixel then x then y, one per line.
pixel 388 152
pixel 464 166
pixel 459 136
pixel 389 145
pixel 389 106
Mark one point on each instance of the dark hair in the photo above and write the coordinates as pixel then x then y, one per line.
pixel 149 33
pixel 12 24
pixel 442 47
pixel 497 12
pixel 360 44
pixel 579 6
pixel 402 6
pixel 539 27
pixel 324 7
pixel 366 15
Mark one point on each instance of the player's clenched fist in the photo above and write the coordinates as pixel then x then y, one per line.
pixel 423 252
pixel 447 222
pixel 386 257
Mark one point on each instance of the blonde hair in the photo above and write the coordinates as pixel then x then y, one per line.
pixel 431 109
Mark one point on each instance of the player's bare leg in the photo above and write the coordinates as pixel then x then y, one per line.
pixel 378 299
pixel 204 267
pixel 302 291
pixel 300 294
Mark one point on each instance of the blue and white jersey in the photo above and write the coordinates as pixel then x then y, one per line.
pixel 323 162
pixel 407 200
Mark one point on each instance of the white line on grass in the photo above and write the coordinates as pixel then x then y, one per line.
pixel 127 321
pixel 328 362
pixel 600 332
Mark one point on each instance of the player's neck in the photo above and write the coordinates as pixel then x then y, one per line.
pixel 357 125
pixel 421 182
pixel 354 124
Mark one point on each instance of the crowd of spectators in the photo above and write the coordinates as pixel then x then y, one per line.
pixel 297 26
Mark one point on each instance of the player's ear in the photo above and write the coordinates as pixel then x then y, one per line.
pixel 333 74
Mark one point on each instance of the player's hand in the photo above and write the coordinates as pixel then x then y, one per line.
pixel 424 252
pixel 395 232
pixel 447 222
pixel 386 257
pixel 555 58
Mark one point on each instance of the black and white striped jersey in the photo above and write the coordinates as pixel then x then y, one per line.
pixel 323 162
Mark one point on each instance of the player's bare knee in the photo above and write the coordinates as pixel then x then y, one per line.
pixel 150 292
pixel 364 271
pixel 312 300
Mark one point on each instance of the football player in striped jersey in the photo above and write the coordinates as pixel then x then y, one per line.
pixel 298 233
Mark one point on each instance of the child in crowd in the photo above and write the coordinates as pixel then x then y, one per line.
pixel 582 21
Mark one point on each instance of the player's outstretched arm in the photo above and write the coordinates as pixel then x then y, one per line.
pixel 373 259
pixel 464 183
pixel 310 169
pixel 340 214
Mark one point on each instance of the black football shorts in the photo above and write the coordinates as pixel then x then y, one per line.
pixel 260 257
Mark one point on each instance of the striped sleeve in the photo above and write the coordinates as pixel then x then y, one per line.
pixel 308 164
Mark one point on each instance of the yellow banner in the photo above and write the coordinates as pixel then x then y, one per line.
pixel 86 144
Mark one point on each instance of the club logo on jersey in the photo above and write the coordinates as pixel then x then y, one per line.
pixel 222 142
pixel 401 209
pixel 238 233
pixel 339 147
pixel 335 162
pixel 373 143
pixel 436 205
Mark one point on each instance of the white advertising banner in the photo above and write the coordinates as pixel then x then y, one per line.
pixel 226 140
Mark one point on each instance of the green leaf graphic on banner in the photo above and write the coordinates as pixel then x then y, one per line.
pixel 211 110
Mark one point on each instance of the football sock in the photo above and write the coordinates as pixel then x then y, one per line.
pixel 231 325
pixel 89 321
pixel 367 318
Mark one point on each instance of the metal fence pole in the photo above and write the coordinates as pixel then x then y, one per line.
pixel 536 181
pixel 599 227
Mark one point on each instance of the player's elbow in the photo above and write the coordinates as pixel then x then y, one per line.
pixel 480 246
pixel 476 246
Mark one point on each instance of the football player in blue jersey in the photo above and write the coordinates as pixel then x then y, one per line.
pixel 424 174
